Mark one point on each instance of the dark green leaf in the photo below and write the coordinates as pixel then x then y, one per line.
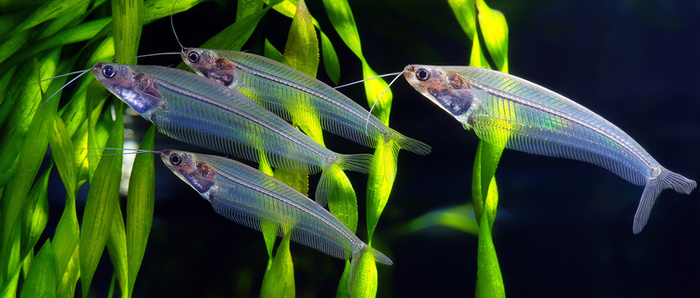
pixel 274 54
pixel 102 200
pixel 139 206
pixel 36 213
pixel 330 58
pixel 63 154
pixel 116 246
pixel 48 11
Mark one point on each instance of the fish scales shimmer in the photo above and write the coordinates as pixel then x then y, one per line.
pixel 250 197
pixel 287 91
pixel 530 118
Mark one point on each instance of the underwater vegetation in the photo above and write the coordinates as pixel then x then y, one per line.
pixel 560 225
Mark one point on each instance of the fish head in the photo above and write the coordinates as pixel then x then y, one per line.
pixel 137 90
pixel 209 64
pixel 194 172
pixel 443 87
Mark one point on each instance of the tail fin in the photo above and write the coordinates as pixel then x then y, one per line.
pixel 355 162
pixel 410 144
pixel 666 179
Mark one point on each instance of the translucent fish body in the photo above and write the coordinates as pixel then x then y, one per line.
pixel 195 110
pixel 281 88
pixel 504 109
pixel 250 197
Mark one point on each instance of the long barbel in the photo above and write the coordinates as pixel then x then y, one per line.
pixel 193 109
pixel 530 118
pixel 279 88
pixel 250 197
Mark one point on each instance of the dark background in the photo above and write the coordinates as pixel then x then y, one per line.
pixel 564 228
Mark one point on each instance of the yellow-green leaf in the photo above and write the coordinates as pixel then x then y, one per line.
pixel 495 31
pixel 63 154
pixel 139 206
pixel 379 184
pixel 342 200
pixel 363 281
pixel 274 54
pixel 245 8
pixel 36 213
pixel 301 50
pixel 460 218
pixel 489 282
pixel 330 58
pixel 65 243
pixel 279 281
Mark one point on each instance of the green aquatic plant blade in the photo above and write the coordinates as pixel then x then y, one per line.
pixel 35 215
pixel 246 8
pixel 495 31
pixel 127 16
pixel 63 154
pixel 48 11
pixel 15 193
pixel 465 11
pixel 362 282
pixel 102 200
pixel 65 243
pixel 157 9
pixel 379 185
pixel 343 290
pixel 330 58
pixel 116 246
pixel 489 279
pixel 342 200
pixel 460 218
pixel 279 281
pixel 139 207
pixel 41 278
pixel 273 53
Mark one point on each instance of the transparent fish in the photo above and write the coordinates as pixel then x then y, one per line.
pixel 532 119
pixel 249 197
pixel 195 110
pixel 279 87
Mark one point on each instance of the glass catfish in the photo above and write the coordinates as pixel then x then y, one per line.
pixel 529 118
pixel 250 197
pixel 279 87
pixel 195 110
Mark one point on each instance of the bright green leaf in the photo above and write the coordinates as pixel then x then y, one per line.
pixel 156 9
pixel 46 12
pixel 65 243
pixel 70 277
pixel 41 279
pixel 274 54
pixel 342 291
pixel 342 200
pixel 460 218
pixel 64 154
pixel 279 281
pixel 363 277
pixel 379 184
pixel 341 17
pixel 65 18
pixel 495 31
pixel 301 50
pixel 477 58
pixel 245 8
pixel 102 200
pixel 139 206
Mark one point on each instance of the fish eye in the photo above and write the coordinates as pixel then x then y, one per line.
pixel 422 74
pixel 194 57
pixel 175 159
pixel 108 71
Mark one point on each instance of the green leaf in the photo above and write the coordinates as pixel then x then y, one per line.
pixel 379 184
pixel 342 200
pixel 301 50
pixel 127 16
pixel 156 9
pixel 330 58
pixel 485 164
pixel 41 279
pixel 139 206
pixel 279 281
pixel 14 44
pixel 477 58
pixel 246 8
pixel 48 11
pixel 70 277
pixel 465 12
pixel 116 246
pixel 363 277
pixel 342 291
pixel 459 218
pixel 36 214
pixel 102 200
pixel 65 243
pixel 489 282
pixel 63 154
pixel 341 17
pixel 274 54
pixel 16 192
pixel 65 18
pixel 495 31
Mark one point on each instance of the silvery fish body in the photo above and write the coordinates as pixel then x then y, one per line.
pixel 286 91
pixel 250 197
pixel 195 110
pixel 530 118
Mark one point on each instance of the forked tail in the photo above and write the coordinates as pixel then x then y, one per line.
pixel 666 179
pixel 413 145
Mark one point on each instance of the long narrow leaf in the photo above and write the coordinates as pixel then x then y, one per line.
pixel 139 206
pixel 102 200
pixel 279 282
pixel 127 16
pixel 41 279
pixel 495 30
pixel 116 246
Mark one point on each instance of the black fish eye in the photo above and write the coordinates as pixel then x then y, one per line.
pixel 108 71
pixel 194 57
pixel 422 74
pixel 175 159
